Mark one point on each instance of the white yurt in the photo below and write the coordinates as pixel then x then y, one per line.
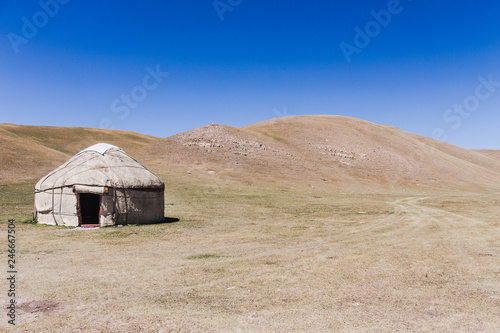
pixel 100 186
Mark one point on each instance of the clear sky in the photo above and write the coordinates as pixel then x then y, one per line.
pixel 164 67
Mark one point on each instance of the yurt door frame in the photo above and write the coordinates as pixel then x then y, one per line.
pixel 89 209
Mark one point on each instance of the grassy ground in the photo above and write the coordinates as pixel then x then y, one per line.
pixel 260 260
pixel 16 201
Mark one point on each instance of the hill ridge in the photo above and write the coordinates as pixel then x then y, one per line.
pixel 323 151
pixel 29 152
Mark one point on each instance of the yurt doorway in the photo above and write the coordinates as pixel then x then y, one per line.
pixel 90 207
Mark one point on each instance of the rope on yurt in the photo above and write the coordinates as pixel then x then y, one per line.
pixel 53 213
pixel 60 201
pixel 115 209
pixel 53 188
pixel 122 187
pixel 125 198
pixel 65 165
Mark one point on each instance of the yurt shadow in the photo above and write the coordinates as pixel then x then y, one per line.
pixel 170 220
pixel 165 220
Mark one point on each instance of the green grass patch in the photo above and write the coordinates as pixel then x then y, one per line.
pixel 203 256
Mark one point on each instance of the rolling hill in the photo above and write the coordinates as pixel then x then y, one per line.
pixel 490 152
pixel 30 152
pixel 300 151
pixel 323 151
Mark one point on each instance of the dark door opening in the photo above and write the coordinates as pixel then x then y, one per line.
pixel 90 206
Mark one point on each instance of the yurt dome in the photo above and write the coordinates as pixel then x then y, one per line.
pixel 100 186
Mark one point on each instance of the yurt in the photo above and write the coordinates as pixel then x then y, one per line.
pixel 100 186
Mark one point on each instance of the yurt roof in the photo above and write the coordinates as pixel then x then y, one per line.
pixel 101 165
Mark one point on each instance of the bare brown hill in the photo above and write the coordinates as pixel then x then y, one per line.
pixel 315 151
pixel 30 152
pixel 490 152
pixel 323 151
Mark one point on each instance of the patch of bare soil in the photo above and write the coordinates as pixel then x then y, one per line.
pixel 30 310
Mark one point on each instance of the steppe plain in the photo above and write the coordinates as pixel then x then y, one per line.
pixel 317 223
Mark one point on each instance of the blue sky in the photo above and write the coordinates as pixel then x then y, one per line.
pixel 430 68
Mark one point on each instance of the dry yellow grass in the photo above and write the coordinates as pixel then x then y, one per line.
pixel 285 238
pixel 243 258
pixel 490 152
